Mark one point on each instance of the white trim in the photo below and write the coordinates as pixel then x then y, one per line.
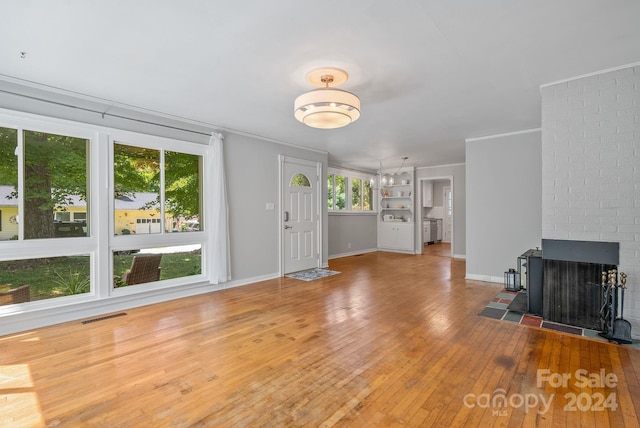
pixel 506 134
pixel 247 281
pixel 458 256
pixel 353 253
pixel 32 319
pixel 345 168
pixel 393 250
pixel 484 278
pixel 593 73
pixel 20 322
pixel 272 140
pixel 441 166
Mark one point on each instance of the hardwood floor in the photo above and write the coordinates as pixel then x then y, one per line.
pixel 442 249
pixel 394 340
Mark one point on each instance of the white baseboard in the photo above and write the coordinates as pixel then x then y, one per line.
pixel 246 281
pixel 460 256
pixel 46 316
pixel 353 253
pixel 485 278
pixel 28 320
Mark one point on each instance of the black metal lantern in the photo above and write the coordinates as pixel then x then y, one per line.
pixel 512 280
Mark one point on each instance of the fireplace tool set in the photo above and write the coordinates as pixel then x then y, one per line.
pixel 614 328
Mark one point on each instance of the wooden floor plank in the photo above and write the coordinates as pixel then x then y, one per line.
pixel 393 340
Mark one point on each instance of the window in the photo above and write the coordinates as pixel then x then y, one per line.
pixel 182 191
pixel 44 178
pixel 140 189
pixel 170 262
pixel 356 194
pixel 136 172
pixel 367 196
pixel 54 179
pixel 79 216
pixel 330 193
pixel 9 182
pixel 157 193
pixel 300 180
pixel 53 193
pixel 353 187
pixel 340 186
pixel 47 277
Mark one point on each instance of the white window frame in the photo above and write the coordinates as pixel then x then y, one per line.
pixel 100 242
pixel 349 175
pixel 162 239
pixel 51 247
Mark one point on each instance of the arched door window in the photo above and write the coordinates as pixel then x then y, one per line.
pixel 300 180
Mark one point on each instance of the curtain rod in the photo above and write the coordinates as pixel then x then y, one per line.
pixel 103 113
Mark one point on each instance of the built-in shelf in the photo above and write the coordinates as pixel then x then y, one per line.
pixel 396 214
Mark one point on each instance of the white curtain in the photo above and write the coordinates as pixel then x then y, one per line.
pixel 221 262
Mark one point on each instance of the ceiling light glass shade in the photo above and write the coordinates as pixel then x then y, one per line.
pixel 327 108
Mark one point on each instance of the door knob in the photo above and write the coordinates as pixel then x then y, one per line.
pixel 286 226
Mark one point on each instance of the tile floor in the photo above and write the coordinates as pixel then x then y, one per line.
pixel 498 309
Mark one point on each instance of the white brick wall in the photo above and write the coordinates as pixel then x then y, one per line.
pixel 591 168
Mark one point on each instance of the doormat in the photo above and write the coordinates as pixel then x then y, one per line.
pixel 311 274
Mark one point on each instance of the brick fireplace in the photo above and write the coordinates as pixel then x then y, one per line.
pixel 590 158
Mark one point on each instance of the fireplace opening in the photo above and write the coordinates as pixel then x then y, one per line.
pixel 572 272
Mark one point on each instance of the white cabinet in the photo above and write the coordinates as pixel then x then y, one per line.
pixel 426 232
pixel 427 194
pixel 395 236
pixel 429 231
pixel 396 211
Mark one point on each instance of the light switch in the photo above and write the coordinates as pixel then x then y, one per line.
pixel 270 206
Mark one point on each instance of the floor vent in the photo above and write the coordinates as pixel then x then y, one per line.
pixel 106 317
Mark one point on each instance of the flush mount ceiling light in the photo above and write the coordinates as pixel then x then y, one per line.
pixel 327 108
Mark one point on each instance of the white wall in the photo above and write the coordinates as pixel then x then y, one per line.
pixel 504 185
pixel 591 167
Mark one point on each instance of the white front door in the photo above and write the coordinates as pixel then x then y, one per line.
pixel 447 197
pixel 300 214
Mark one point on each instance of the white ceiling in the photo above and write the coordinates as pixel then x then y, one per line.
pixel 429 73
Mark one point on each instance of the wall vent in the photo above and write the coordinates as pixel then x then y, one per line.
pixel 106 317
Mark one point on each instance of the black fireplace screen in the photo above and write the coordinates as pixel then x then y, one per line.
pixel 572 276
pixel 572 293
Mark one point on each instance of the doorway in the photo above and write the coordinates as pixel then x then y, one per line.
pixel 300 214
pixel 447 197
pixel 435 199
